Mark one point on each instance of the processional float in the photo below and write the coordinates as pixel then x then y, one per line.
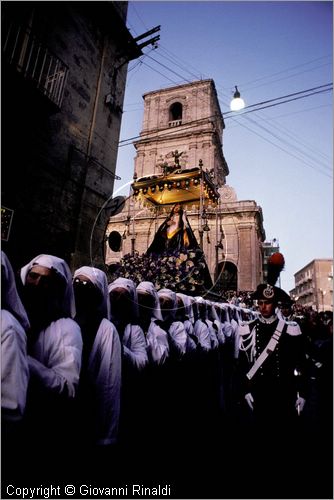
pixel 175 258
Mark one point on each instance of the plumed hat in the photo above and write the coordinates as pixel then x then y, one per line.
pixel 268 291
pixel 265 291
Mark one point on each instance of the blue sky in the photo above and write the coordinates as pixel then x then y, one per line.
pixel 281 157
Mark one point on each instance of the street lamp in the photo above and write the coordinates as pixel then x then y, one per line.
pixel 237 103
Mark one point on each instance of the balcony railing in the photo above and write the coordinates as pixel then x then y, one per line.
pixel 23 51
pixel 175 123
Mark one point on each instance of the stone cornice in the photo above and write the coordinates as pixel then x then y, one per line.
pixel 197 83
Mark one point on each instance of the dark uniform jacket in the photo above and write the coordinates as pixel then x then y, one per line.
pixel 281 378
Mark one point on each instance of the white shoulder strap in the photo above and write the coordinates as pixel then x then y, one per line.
pixel 267 350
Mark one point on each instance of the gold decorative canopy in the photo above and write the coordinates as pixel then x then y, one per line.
pixel 178 186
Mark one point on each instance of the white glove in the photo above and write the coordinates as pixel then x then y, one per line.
pixel 250 400
pixel 300 403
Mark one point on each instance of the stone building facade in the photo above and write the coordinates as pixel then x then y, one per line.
pixel 64 68
pixel 188 119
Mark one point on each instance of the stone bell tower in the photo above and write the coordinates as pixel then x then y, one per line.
pixel 183 125
pixel 186 118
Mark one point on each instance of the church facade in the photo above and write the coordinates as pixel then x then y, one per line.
pixel 183 127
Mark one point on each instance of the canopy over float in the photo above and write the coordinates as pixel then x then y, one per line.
pixel 176 185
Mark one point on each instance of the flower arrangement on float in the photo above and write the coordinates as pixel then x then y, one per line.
pixel 178 271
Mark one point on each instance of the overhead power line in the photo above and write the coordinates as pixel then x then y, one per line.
pixel 283 97
pixel 169 69
pixel 167 78
pixel 278 103
pixel 243 85
pixel 290 153
pixel 232 114
pixel 326 161
pixel 249 86
pixel 228 114
pixel 149 135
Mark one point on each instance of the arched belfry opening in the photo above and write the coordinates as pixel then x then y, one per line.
pixel 175 114
pixel 227 276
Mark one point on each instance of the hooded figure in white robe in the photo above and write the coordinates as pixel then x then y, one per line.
pixel 191 360
pixel 230 326
pixel 201 328
pixel 175 329
pixel 207 360
pixel 214 365
pixel 156 381
pixel 225 322
pixel 186 315
pixel 56 344
pixel 221 314
pixel 14 371
pixel 149 318
pixel 14 361
pixel 54 358
pixel 220 333
pixel 124 315
pixel 100 379
pixel 176 406
pixel 234 319
pixel 213 324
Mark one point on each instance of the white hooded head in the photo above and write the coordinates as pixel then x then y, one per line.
pixel 131 306
pixel 10 300
pixel 202 308
pixel 187 302
pixel 212 313
pixel 168 312
pixel 148 288
pixel 99 280
pixel 61 269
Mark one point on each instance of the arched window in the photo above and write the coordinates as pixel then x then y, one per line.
pixel 175 114
pixel 227 276
pixel 115 241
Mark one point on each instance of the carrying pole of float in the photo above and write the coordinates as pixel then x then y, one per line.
pixel 133 234
pixel 217 247
pixel 133 237
pixel 200 230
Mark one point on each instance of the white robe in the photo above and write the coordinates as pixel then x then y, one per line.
pixel 213 334
pixel 235 326
pixel 221 335
pixel 134 346
pixel 156 338
pixel 178 337
pixel 177 333
pixel 227 329
pixel 219 331
pixel 201 331
pixel 191 344
pixel 104 372
pixel 14 368
pixel 56 356
pixel 157 344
